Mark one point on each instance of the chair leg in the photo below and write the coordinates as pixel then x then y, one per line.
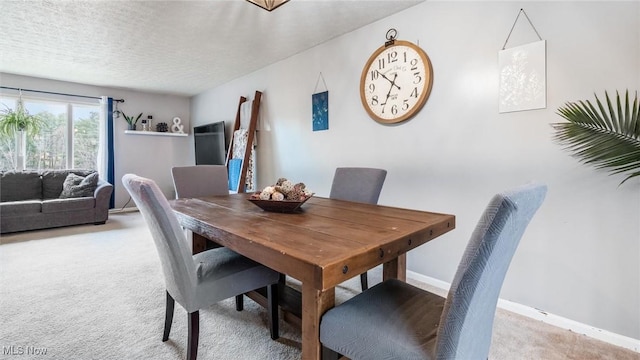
pixel 239 302
pixel 363 281
pixel 328 354
pixel 272 309
pixel 282 282
pixel 168 317
pixel 194 333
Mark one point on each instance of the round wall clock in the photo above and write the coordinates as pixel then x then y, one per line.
pixel 396 81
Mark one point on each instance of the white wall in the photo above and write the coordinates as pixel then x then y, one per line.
pixel 149 156
pixel 580 257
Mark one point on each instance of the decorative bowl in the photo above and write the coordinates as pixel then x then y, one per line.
pixel 282 206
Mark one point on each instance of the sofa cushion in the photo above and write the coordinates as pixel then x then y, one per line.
pixel 20 185
pixel 71 204
pixel 52 181
pixel 19 208
pixel 77 186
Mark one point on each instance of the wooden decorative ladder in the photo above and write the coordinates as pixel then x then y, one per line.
pixel 255 108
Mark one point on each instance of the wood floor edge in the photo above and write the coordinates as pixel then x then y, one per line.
pixel 548 318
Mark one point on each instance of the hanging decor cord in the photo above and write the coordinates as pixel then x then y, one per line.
pixel 57 93
pixel 315 89
pixel 514 25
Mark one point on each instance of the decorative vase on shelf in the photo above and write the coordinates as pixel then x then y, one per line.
pixel 132 127
pixel 146 125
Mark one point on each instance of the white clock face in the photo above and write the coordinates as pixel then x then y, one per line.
pixel 396 82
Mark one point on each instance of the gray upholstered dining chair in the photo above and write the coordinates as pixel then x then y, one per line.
pixel 200 180
pixel 197 281
pixel 395 320
pixel 358 184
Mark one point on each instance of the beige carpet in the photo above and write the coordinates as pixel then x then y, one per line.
pixel 96 292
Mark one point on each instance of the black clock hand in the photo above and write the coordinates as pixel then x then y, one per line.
pixel 393 83
pixel 390 88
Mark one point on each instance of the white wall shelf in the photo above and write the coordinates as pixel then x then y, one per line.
pixel 153 133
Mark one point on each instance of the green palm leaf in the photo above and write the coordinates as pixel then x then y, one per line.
pixel 607 137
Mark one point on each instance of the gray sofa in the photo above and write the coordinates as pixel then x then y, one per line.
pixel 31 200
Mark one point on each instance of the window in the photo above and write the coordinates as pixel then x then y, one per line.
pixel 86 121
pixel 68 139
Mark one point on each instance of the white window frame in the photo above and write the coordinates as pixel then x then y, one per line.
pixel 69 110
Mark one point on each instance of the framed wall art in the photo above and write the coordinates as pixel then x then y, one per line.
pixel 523 84
pixel 523 74
pixel 320 107
pixel 320 114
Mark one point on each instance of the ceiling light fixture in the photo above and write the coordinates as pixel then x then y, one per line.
pixel 268 4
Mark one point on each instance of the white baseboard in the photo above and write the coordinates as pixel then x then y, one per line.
pixel 555 320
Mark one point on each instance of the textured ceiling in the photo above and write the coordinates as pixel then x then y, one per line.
pixel 173 47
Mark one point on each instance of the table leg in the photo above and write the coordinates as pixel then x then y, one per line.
pixel 199 243
pixel 395 269
pixel 314 304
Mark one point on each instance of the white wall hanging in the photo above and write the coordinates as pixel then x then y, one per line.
pixel 523 72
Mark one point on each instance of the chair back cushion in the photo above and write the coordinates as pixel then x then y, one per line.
pixel 358 184
pixel 200 180
pixel 175 256
pixel 467 319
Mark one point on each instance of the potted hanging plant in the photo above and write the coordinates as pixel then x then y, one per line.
pixel 605 137
pixel 18 123
pixel 131 120
pixel 19 120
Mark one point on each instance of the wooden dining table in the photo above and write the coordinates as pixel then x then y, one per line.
pixel 323 244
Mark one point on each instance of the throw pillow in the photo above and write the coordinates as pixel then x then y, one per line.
pixel 52 181
pixel 79 186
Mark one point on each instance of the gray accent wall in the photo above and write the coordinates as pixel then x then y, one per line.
pixel 580 257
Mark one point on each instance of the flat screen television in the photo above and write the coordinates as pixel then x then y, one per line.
pixel 210 143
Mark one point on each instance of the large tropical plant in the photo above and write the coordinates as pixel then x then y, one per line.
pixel 607 137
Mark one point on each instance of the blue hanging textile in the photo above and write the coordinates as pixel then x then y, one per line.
pixel 110 151
pixel 235 166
